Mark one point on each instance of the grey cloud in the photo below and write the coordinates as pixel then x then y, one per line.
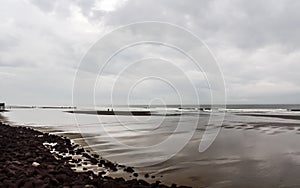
pixel 45 5
pixel 246 24
pixel 63 8
pixel 7 42
pixel 15 63
pixel 256 44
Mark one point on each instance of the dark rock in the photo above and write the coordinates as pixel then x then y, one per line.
pixel 86 155
pixel 129 169
pixel 94 161
pixel 120 179
pixel 143 182
pixel 101 173
pixel 28 184
pixel 21 146
pixel 95 155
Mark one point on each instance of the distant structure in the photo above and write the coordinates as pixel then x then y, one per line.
pixel 2 106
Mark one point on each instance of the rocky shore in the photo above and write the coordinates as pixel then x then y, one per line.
pixel 29 158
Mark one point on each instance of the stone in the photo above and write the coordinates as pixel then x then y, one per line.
pixel 35 164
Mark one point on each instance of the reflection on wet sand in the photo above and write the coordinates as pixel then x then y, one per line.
pixel 283 116
pixel 240 158
pixel 268 128
pixel 3 118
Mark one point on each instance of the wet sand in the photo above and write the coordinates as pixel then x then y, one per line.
pixel 295 117
pixel 249 151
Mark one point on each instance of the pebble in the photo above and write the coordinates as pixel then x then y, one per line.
pixel 35 164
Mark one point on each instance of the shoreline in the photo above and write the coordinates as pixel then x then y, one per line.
pixel 32 158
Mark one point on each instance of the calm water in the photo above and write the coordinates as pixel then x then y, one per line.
pixel 247 152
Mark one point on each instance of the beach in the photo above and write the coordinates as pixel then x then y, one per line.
pixel 30 158
pixel 254 148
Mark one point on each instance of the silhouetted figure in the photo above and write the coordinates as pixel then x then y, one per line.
pixel 2 106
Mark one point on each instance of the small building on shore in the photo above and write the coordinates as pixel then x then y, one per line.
pixel 2 106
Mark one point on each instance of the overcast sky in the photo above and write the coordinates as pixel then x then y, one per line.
pixel 256 43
